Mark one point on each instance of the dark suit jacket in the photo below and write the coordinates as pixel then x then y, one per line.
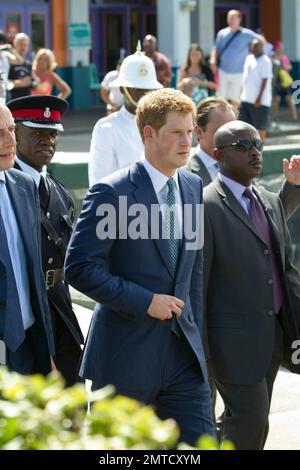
pixel 289 194
pixel 238 294
pixel 196 166
pixel 125 346
pixel 24 198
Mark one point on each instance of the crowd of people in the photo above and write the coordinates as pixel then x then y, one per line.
pixel 21 77
pixel 185 305
pixel 254 75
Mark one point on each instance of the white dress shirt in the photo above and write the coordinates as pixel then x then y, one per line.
pixel 237 190
pixel 36 175
pixel 159 182
pixel 17 253
pixel 210 163
pixel 116 143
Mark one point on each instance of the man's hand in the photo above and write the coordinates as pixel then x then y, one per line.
pixel 291 169
pixel 163 306
pixel 257 103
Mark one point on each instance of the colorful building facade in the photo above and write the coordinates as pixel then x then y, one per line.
pixel 116 25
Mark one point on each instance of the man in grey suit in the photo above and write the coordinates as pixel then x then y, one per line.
pixel 145 335
pixel 251 288
pixel 212 113
pixel 26 341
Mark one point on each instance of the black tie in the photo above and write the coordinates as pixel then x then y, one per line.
pixel 43 192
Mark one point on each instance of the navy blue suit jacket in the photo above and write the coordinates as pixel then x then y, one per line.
pixel 125 346
pixel 24 198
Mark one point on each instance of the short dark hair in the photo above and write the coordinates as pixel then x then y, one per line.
pixel 206 106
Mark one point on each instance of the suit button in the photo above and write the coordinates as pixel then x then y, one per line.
pixel 2 304
pixel 266 252
pixel 270 282
pixel 3 275
pixel 48 215
pixel 49 238
pixel 50 260
pixel 271 313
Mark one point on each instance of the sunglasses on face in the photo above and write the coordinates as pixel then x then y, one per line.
pixel 244 145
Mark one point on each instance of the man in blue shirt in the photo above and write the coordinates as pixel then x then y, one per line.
pixel 229 54
pixel 25 325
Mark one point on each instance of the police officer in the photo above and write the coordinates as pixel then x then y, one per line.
pixel 38 121
pixel 116 141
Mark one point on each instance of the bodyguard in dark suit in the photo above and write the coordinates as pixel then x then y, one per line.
pixel 213 113
pixel 145 334
pixel 38 120
pixel 251 288
pixel 25 323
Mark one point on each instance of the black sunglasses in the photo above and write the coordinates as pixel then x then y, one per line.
pixel 244 145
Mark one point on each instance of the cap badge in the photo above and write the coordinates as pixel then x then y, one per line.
pixel 47 113
pixel 143 70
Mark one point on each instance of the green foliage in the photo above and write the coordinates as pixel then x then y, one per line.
pixel 39 413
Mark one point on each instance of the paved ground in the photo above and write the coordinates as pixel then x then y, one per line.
pixel 285 410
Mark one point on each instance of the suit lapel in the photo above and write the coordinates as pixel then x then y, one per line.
pixel 197 166
pixel 187 198
pixel 233 204
pixel 18 198
pixel 144 194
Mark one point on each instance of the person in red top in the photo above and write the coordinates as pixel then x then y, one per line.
pixel 161 63
pixel 43 70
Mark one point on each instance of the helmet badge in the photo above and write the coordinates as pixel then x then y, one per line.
pixel 143 70
pixel 47 113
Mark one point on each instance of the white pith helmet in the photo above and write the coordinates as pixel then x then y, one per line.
pixel 137 71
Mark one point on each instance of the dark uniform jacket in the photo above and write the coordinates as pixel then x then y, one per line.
pixel 59 211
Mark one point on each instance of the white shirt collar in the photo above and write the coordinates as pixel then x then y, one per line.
pixel 236 188
pixel 2 176
pixel 206 159
pixel 159 180
pixel 31 171
pixel 123 111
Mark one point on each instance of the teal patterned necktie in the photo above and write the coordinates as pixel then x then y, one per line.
pixel 174 243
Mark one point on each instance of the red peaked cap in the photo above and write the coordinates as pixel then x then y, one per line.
pixel 39 111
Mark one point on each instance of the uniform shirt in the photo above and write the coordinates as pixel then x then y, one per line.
pixel 159 182
pixel 237 190
pixel 17 253
pixel 32 172
pixel 116 143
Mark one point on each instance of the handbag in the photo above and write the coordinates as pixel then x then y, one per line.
pixel 285 79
